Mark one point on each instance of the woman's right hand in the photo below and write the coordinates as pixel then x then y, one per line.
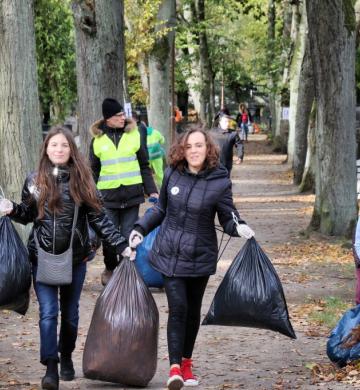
pixel 6 206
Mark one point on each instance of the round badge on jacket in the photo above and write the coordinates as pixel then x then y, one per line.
pixel 175 190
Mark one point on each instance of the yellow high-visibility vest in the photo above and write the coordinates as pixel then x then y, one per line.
pixel 119 165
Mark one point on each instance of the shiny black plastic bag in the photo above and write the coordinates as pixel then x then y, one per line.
pixel 15 269
pixel 122 342
pixel 251 294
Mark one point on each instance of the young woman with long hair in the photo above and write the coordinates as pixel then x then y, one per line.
pixel 62 181
pixel 195 188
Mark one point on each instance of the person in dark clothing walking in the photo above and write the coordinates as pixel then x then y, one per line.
pixel 119 161
pixel 62 183
pixel 195 188
pixel 226 140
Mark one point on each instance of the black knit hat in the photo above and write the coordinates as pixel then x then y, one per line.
pixel 111 107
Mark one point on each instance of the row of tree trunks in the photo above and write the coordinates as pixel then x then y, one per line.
pixel 99 58
pixel 20 126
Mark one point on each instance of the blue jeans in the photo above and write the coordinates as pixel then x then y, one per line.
pixel 124 220
pixel 48 297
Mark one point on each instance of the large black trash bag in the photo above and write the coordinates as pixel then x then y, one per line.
pixel 251 294
pixel 121 345
pixel 15 269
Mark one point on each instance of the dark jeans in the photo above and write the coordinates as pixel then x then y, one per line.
pixel 124 219
pixel 48 297
pixel 184 297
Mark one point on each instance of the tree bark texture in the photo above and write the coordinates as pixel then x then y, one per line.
pixel 99 27
pixel 20 127
pixel 270 49
pixel 332 47
pixel 159 73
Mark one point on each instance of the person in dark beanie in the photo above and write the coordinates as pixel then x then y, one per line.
pixel 121 171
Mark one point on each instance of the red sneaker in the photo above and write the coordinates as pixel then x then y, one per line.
pixel 175 381
pixel 186 369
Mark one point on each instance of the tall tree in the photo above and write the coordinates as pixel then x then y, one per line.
pixel 332 47
pixel 301 98
pixel 20 128
pixel 159 70
pixel 99 27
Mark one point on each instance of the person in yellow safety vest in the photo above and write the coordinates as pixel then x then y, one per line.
pixel 156 153
pixel 118 158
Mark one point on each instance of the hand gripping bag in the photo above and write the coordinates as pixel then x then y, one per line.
pixel 15 269
pixel 251 294
pixel 121 345
pixel 343 344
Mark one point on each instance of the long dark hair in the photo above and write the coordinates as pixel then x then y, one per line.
pixel 176 156
pixel 81 183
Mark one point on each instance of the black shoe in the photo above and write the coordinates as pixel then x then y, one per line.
pixel 67 372
pixel 51 379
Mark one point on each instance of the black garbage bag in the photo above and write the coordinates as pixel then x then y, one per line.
pixel 15 269
pixel 121 345
pixel 251 294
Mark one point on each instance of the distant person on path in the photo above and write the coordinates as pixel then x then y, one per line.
pixel 119 161
pixel 195 189
pixel 156 153
pixel 50 195
pixel 242 120
pixel 178 119
pixel 226 140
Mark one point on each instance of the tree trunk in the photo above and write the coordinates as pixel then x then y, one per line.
pixel 207 97
pixel 270 49
pixel 332 47
pixel 301 99
pixel 194 81
pixel 159 73
pixel 20 126
pixel 99 27
pixel 302 115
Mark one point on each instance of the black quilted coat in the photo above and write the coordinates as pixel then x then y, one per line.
pixel 54 231
pixel 186 244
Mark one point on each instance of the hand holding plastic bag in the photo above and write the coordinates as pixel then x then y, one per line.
pixel 129 252
pixel 245 231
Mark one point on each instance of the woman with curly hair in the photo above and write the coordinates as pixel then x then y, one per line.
pixel 195 188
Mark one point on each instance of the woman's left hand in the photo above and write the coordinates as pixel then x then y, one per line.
pixel 130 253
pixel 245 231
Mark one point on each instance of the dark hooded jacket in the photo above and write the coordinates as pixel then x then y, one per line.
pixel 186 244
pixel 123 196
pixel 54 231
pixel 226 141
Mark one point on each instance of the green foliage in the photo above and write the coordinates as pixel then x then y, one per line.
pixel 142 31
pixel 55 51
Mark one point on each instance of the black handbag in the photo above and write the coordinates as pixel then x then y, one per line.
pixel 52 269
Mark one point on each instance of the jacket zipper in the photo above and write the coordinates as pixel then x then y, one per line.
pixel 178 244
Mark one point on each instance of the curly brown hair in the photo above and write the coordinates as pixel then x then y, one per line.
pixel 82 186
pixel 176 156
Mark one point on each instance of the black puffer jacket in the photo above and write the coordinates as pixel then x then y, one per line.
pixel 226 141
pixel 54 231
pixel 186 244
